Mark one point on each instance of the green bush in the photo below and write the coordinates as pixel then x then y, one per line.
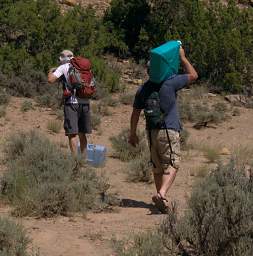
pixel 26 106
pixel 13 239
pixel 28 49
pixel 42 181
pixel 218 220
pixel 140 168
pixel 123 150
pixel 217 37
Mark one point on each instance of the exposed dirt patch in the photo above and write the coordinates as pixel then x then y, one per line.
pixel 92 234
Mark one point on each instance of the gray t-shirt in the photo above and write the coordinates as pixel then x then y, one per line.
pixel 168 96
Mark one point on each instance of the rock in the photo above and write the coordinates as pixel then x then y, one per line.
pixel 137 81
pixel 69 2
pixel 211 94
pixel 225 151
pixel 237 99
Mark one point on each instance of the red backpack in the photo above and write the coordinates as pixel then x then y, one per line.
pixel 80 77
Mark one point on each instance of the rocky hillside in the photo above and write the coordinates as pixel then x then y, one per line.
pixel 99 5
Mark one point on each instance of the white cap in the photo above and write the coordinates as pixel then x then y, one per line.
pixel 65 56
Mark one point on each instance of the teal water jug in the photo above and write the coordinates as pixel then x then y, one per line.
pixel 164 61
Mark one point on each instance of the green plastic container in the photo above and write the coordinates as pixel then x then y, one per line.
pixel 164 61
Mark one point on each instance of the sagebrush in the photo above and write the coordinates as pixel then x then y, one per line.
pixel 123 150
pixel 42 181
pixel 13 239
pixel 218 220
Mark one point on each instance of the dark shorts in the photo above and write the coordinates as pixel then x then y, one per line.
pixel 77 118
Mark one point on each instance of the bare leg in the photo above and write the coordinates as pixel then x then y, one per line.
pixel 158 177
pixel 167 180
pixel 73 144
pixel 83 143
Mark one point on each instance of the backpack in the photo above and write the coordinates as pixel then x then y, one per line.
pixel 80 78
pixel 155 117
pixel 153 113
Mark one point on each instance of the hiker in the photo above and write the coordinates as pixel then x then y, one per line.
pixel 77 118
pixel 164 142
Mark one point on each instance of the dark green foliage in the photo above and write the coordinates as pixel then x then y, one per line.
pixel 125 19
pixel 28 49
pixel 42 181
pixel 218 221
pixel 217 38
pixel 123 150
pixel 13 239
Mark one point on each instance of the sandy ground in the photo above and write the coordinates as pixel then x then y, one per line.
pixel 93 234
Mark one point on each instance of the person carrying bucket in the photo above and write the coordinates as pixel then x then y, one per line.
pixel 158 98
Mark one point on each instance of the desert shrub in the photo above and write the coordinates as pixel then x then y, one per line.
pixel 59 114
pixel 127 98
pixel 95 121
pixel 4 97
pixel 123 150
pixel 26 106
pixel 42 181
pixel 218 220
pixel 194 107
pixel 13 239
pixel 100 108
pixel 54 126
pixel 140 169
pixel 184 136
pixel 2 111
pixel 212 154
pixel 149 243
pixel 111 102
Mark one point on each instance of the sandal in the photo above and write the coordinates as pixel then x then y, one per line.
pixel 160 204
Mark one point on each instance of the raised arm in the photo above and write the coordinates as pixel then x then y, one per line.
pixel 189 69
pixel 51 78
pixel 133 138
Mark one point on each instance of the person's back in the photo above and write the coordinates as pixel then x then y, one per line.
pixel 77 119
pixel 164 140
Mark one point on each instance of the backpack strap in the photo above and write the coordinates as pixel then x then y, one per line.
pixel 150 145
pixel 168 137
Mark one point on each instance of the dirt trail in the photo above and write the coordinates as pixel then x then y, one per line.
pixel 92 234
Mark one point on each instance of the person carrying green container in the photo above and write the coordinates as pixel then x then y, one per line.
pixel 158 98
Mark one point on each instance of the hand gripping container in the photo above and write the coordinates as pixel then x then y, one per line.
pixel 96 154
pixel 164 61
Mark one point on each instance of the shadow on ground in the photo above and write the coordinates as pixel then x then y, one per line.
pixel 130 203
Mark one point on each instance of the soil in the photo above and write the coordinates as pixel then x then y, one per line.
pixel 94 233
